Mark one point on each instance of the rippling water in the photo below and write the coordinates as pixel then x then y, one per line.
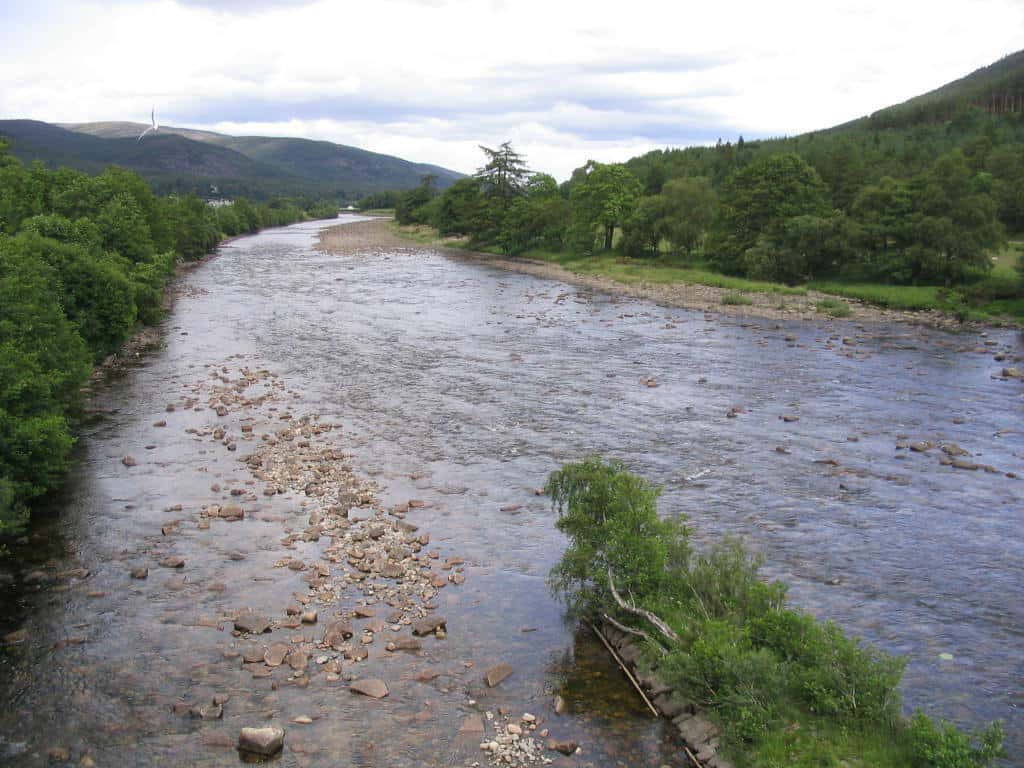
pixel 483 382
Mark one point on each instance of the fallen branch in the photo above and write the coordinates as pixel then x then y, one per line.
pixel 658 623
pixel 633 631
pixel 625 669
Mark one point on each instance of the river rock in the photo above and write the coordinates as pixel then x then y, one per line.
pixel 252 622
pixel 173 561
pixel 497 674
pixel 428 675
pixel 261 741
pixel 128 461
pixel 140 572
pixel 336 633
pixel 428 625
pixel 405 644
pixel 566 747
pixel 275 654
pixel 231 512
pixel 372 687
pixel 1013 373
pixel 952 449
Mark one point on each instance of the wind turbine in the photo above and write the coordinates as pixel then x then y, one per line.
pixel 153 125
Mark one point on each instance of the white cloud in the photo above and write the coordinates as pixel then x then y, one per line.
pixel 431 79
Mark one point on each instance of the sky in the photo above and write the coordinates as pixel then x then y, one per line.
pixel 430 80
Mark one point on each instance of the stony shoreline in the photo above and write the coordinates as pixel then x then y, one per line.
pixel 694 729
pixel 378 236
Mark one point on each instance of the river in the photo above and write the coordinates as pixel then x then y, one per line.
pixel 463 386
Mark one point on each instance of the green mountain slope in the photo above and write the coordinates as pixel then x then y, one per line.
pixel 328 164
pixel 181 159
pixel 996 89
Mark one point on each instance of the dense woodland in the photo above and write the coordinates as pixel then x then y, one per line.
pixel 83 262
pixel 920 194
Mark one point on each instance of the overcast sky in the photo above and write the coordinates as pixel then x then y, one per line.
pixel 429 80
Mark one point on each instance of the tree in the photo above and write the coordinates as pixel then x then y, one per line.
pixel 883 212
pixel 504 175
pixel 538 219
pixel 43 365
pixel 955 221
pixel 759 196
pixel 643 230
pixel 689 210
pixel 617 542
pixel 800 248
pixel 604 197
pixel 459 209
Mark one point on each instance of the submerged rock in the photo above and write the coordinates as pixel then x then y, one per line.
pixel 252 622
pixel 261 741
pixel 497 674
pixel 372 687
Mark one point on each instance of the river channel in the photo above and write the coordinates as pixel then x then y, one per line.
pixel 462 386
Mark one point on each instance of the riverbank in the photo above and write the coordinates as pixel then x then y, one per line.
pixel 670 287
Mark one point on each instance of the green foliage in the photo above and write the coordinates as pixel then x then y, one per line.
pixel 611 519
pixel 83 259
pixel 603 196
pixel 736 299
pixel 943 745
pixel 43 364
pixel 760 197
pixel 834 307
pixel 643 231
pixel 412 207
pixel 690 208
pixel 787 689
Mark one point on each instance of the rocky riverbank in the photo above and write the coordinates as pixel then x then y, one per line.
pixel 379 236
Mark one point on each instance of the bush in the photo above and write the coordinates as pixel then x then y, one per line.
pixel 737 299
pixel 726 640
pixel 942 745
pixel 834 307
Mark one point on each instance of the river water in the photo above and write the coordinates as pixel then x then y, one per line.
pixel 464 386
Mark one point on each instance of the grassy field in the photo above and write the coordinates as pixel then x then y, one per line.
pixel 990 296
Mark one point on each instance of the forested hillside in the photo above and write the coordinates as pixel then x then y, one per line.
pixel 185 160
pixel 924 194
pixel 83 262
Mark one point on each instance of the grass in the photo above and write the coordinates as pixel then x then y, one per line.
pixel 912 297
pixel 663 271
pixel 834 307
pixel 813 742
pixel 985 296
pixel 736 299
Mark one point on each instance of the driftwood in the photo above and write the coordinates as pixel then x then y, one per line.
pixel 658 623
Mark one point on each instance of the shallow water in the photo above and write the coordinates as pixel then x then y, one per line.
pixel 483 382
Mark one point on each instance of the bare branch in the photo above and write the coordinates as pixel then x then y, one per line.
pixel 658 623
pixel 632 631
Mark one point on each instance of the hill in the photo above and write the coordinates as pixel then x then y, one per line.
pixel 182 159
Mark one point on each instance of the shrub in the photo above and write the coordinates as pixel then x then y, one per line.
pixel 734 298
pixel 834 308
pixel 725 639
pixel 943 745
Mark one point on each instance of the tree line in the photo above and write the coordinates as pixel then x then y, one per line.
pixel 83 261
pixel 919 205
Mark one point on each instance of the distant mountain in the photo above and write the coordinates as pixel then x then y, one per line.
pixel 181 159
